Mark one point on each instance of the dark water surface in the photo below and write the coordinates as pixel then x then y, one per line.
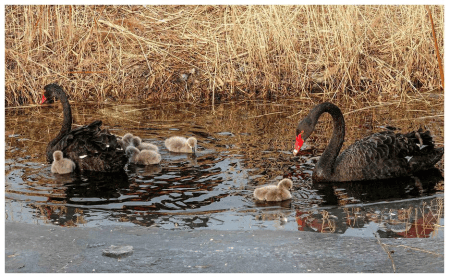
pixel 242 145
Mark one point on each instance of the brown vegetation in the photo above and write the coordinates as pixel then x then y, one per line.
pixel 205 52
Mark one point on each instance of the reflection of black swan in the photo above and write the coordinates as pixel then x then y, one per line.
pixel 88 146
pixel 423 183
pixel 381 155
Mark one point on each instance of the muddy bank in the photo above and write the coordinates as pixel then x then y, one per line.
pixel 31 248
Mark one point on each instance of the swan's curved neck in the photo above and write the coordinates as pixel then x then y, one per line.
pixel 326 163
pixel 67 121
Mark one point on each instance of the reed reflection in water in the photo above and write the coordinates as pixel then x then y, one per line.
pixel 240 146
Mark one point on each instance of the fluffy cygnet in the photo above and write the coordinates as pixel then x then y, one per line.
pixel 137 142
pixel 144 157
pixel 62 165
pixel 181 145
pixel 125 141
pixel 274 193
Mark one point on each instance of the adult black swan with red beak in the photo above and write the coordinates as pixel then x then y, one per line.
pixel 90 147
pixel 382 155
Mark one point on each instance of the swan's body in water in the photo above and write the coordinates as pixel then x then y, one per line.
pixel 137 142
pixel 274 193
pixel 89 147
pixel 125 140
pixel 62 165
pixel 382 155
pixel 181 145
pixel 144 157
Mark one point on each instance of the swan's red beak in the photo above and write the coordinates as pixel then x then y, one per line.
pixel 298 143
pixel 43 99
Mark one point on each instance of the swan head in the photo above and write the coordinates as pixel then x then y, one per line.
pixel 285 183
pixel 57 155
pixel 51 93
pixel 192 143
pixel 304 129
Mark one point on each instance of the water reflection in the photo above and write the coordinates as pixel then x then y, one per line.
pixel 355 192
pixel 410 219
pixel 240 146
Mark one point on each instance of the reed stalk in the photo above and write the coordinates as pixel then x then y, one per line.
pixel 220 53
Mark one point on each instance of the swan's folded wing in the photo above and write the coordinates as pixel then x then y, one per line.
pixel 373 157
pixel 386 155
pixel 93 149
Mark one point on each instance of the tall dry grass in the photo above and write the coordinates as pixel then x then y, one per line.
pixel 204 52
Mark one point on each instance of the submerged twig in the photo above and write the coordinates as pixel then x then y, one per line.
pixel 294 115
pixel 420 118
pixel 365 108
pixel 388 252
pixel 425 117
pixel 26 106
pixel 139 109
pixel 417 249
pixel 259 116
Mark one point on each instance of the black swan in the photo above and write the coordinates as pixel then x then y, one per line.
pixel 274 193
pixel 144 157
pixel 91 148
pixel 62 165
pixel 382 155
pixel 137 142
pixel 181 145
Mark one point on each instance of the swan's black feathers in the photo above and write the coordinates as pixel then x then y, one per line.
pixel 382 155
pixel 386 155
pixel 90 147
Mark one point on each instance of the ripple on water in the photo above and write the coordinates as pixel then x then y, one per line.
pixel 238 151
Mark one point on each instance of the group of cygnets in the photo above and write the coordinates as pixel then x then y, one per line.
pixel 142 153
pixel 137 152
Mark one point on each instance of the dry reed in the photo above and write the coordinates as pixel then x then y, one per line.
pixel 195 53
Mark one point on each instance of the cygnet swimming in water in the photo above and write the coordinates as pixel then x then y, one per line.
pixel 274 193
pixel 137 142
pixel 181 145
pixel 62 165
pixel 144 157
pixel 125 141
